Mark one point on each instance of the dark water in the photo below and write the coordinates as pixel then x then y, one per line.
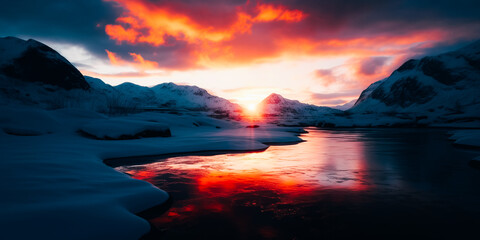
pixel 343 184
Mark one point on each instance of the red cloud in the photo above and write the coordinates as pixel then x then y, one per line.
pixel 269 12
pixel 184 35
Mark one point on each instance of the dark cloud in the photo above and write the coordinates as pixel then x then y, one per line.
pixel 82 23
pixel 62 21
pixel 350 17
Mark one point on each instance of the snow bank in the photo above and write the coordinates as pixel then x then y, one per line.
pixel 52 191
pixel 469 138
pixel 27 121
pixel 112 129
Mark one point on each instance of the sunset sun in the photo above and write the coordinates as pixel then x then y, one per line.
pixel 252 108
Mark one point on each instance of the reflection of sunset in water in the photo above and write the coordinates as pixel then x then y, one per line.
pixel 286 169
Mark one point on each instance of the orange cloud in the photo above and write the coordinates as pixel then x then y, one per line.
pixel 121 34
pixel 114 60
pixel 184 35
pixel 269 12
pixel 138 62
pixel 142 62
pixel 148 23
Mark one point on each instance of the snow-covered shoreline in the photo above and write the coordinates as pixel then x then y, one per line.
pixel 55 180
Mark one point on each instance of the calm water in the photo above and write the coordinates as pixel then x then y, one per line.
pixel 343 184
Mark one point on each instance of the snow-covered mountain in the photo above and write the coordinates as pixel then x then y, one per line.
pixel 167 96
pixel 192 98
pixel 435 89
pixel 170 95
pixel 276 105
pixel 33 61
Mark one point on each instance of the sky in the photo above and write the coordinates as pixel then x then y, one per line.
pixel 318 52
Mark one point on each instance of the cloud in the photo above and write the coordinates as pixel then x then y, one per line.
pixel 326 76
pixel 117 75
pixel 334 102
pixel 329 96
pixel 137 62
pixel 335 98
pixel 73 22
pixel 372 65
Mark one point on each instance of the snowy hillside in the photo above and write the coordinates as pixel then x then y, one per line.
pixel 365 93
pixel 276 105
pixel 431 90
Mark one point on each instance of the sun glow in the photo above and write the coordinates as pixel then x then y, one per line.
pixel 251 111
pixel 252 107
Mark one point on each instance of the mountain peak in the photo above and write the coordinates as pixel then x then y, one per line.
pixel 276 105
pixel 273 98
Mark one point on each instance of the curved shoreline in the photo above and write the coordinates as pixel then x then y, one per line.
pixel 122 161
